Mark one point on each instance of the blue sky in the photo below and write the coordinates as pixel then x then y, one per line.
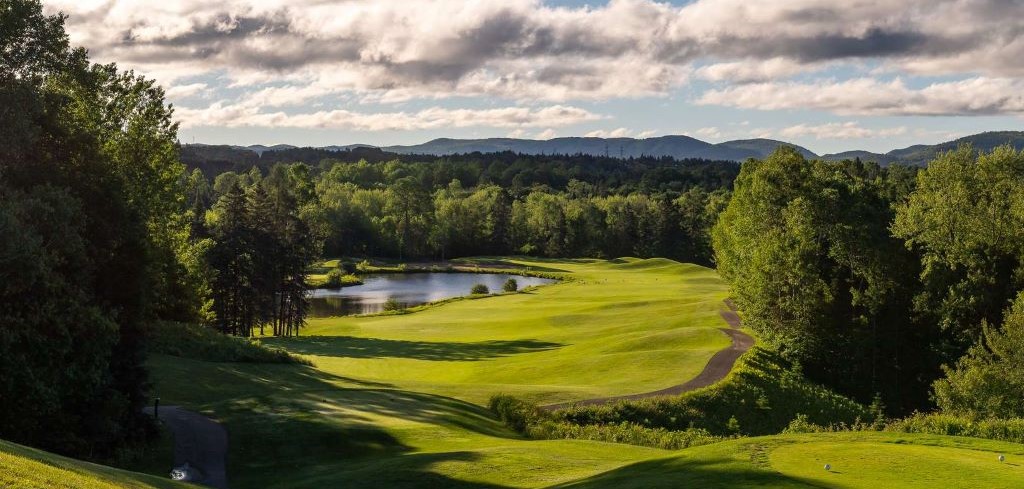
pixel 829 76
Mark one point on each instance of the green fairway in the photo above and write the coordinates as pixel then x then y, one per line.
pixel 28 468
pixel 397 401
pixel 616 328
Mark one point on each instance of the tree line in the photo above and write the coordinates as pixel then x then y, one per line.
pixel 384 210
pixel 101 238
pixel 880 280
pixel 507 169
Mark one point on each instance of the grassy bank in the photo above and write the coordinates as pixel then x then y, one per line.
pixel 27 468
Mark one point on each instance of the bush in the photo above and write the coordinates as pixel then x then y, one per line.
pixel 516 413
pixel 480 289
pixel 364 266
pixel 205 343
pixel 624 432
pixel 392 305
pixel 528 419
pixel 1011 430
pixel 510 285
pixel 334 279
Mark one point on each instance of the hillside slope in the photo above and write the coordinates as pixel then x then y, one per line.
pixel 27 468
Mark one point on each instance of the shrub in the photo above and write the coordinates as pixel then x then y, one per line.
pixel 516 413
pixel 480 289
pixel 334 279
pixel 392 305
pixel 510 285
pixel 800 424
pixel 534 422
pixel 624 432
pixel 348 267
pixel 1011 430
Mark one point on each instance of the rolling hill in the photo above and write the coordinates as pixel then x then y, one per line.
pixel 679 147
pixel 675 146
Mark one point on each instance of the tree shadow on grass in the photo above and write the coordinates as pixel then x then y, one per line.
pixel 294 426
pixel 354 347
pixel 686 472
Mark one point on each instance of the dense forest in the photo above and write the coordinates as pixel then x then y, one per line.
pixel 425 211
pixel 898 275
pixel 507 169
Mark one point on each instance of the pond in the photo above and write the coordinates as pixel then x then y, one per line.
pixel 408 289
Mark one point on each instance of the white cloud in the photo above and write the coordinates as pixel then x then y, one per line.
pixel 289 54
pixel 839 130
pixel 706 132
pixel 647 134
pixel 546 134
pixel 621 132
pixel 223 115
pixel 869 96
pixel 752 70
pixel 185 91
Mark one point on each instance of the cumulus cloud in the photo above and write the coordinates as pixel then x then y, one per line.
pixel 224 115
pixel 868 96
pixel 547 134
pixel 839 130
pixel 186 91
pixel 287 53
pixel 751 70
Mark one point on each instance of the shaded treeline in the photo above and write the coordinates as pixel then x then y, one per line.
pixel 259 254
pixel 873 279
pixel 99 239
pixel 94 242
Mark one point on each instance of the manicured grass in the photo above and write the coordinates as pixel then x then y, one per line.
pixel 28 468
pixel 397 401
pixel 619 327
pixel 858 460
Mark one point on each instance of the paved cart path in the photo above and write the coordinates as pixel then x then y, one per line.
pixel 199 441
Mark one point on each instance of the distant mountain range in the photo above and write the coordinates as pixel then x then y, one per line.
pixel 679 147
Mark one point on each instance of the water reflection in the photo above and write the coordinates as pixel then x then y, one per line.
pixel 408 289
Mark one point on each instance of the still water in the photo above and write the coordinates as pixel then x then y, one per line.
pixel 409 289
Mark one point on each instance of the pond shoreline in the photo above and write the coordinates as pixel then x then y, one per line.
pixel 442 267
pixel 398 290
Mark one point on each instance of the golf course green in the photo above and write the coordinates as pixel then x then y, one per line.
pixel 398 400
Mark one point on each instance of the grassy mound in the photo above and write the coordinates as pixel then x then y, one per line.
pixel 761 396
pixel 27 468
pixel 203 343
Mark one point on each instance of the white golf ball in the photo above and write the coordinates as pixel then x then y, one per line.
pixel 828 467
pixel 1002 458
